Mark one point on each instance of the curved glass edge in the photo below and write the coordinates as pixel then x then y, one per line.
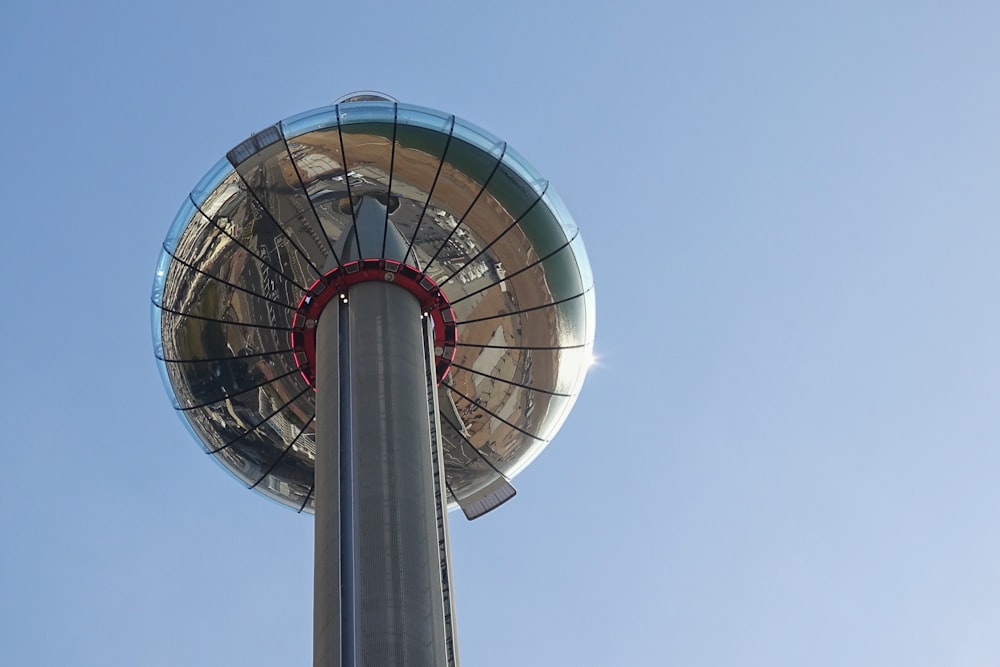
pixel 357 112
pixel 557 419
pixel 425 117
pixel 583 357
pixel 308 121
pixel 477 136
pixel 210 181
pixel 161 366
pixel 262 490
pixel 366 112
pixel 366 96
pixel 160 277
pixel 559 210
pixel 590 299
pixel 523 461
pixel 557 413
pixel 582 262
pixel 527 173
pixel 190 429
pixel 185 214
pixel 258 491
pixel 234 474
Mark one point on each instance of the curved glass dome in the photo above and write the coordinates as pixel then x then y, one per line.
pixel 261 230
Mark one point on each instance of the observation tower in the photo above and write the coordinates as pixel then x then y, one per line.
pixel 375 312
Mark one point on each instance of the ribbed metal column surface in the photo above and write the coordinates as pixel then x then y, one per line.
pixel 397 581
pixel 441 504
pixel 327 618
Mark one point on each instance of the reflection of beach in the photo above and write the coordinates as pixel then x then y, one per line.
pixel 497 415
pixel 487 221
pixel 507 402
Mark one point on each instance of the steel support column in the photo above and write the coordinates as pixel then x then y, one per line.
pixel 379 599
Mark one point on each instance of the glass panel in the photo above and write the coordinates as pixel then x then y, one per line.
pixel 191 429
pixel 212 180
pixel 541 414
pixel 418 154
pixel 466 469
pixel 160 277
pixel 246 240
pixel 498 416
pixel 505 411
pixel 228 383
pixel 461 181
pixel 554 325
pixel 514 161
pixel 507 292
pixel 204 296
pixel 227 196
pixel 188 338
pixel 308 121
pixel 583 261
pixel 290 482
pixel 366 112
pixel 547 413
pixel 477 246
pixel 254 144
pixel 511 193
pixel 542 230
pixel 368 150
pixel 477 136
pixel 274 180
pixel 461 259
pixel 320 163
pixel 473 297
pixel 231 374
pixel 418 157
pixel 184 217
pixel 422 117
pixel 286 473
pixel 154 325
pixel 473 162
pixel 555 203
pixel 573 364
pixel 571 321
pixel 591 326
pixel 562 275
pixel 514 367
pixel 247 426
pixel 158 351
pixel 263 426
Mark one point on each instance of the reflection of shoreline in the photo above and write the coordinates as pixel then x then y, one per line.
pixel 477 252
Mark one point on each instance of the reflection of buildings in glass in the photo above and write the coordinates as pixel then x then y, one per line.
pixel 290 432
pixel 463 236
pixel 269 233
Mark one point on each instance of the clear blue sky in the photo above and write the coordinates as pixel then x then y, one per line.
pixel 788 454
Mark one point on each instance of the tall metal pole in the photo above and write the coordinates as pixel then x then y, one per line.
pixel 327 593
pixel 379 599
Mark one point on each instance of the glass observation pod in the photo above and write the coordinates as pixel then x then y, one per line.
pixel 265 240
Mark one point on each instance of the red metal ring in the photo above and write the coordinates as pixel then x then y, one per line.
pixel 335 285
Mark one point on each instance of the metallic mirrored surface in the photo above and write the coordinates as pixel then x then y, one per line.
pixel 265 224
